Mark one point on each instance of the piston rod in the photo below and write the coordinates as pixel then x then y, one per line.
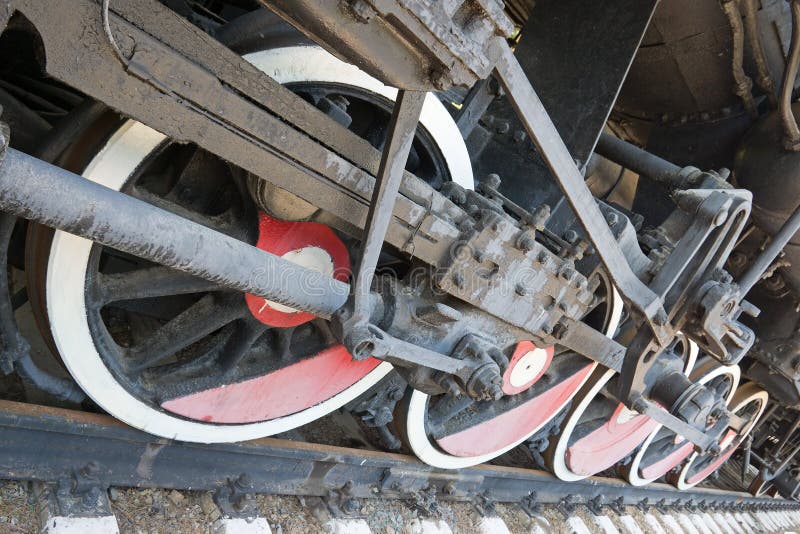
pixel 772 250
pixel 640 161
pixel 33 189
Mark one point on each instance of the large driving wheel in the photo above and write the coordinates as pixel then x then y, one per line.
pixel 182 358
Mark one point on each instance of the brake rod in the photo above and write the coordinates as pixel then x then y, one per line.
pixel 770 252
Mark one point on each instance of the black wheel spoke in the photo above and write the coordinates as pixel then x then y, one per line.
pixel 147 283
pixel 324 329
pixel 193 186
pixel 283 343
pixel 247 332
pixel 203 318
pixel 220 222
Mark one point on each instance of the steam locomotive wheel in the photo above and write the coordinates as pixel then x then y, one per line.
pixel 179 357
pixel 598 431
pixel 748 403
pixel 663 450
pixel 455 432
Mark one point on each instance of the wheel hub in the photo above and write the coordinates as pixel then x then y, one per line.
pixel 527 365
pixel 309 244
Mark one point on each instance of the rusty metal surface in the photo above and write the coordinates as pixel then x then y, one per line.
pixel 410 44
pixel 41 443
pixel 185 101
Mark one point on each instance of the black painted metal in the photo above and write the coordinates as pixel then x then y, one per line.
pixel 44 444
pixel 634 158
pixel 577 54
pixel 770 252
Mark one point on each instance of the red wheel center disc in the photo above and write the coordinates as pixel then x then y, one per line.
pixel 527 365
pixel 310 244
pixel 612 442
pixel 661 467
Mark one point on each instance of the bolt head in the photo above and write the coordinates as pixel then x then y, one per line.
pixel 570 236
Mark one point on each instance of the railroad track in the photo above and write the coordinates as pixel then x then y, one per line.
pixel 87 453
pixel 245 234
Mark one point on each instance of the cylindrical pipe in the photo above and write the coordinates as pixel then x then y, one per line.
pixel 764 78
pixel 742 82
pixel 61 388
pixel 33 189
pixel 775 246
pixel 791 131
pixel 640 161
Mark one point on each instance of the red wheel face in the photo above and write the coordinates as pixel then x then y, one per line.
pixel 312 245
pixel 453 431
pixel 296 386
pixel 283 392
pixel 670 461
pixel 710 467
pixel 515 424
pixel 599 432
pixel 749 404
pixel 615 439
pixel 663 450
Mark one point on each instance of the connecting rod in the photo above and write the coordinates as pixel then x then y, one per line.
pixel 33 189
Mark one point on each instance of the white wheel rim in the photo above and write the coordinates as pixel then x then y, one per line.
pixel 312 64
pixel 426 451
pixel 111 167
pixel 559 465
pixel 706 373
pixel 748 393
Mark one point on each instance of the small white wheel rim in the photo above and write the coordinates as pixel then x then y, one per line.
pixel 130 145
pixel 702 375
pixel 559 462
pixel 745 395
pixel 429 453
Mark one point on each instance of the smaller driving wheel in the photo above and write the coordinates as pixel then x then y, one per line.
pixel 599 431
pixel 748 403
pixel 453 432
pixel 663 450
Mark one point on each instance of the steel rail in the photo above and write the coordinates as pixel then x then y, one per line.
pixel 46 444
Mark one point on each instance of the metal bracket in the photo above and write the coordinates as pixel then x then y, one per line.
pixel 340 502
pixel 484 505
pixel 595 505
pixel 81 494
pixel 235 498
pixel 399 480
pixel 530 505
